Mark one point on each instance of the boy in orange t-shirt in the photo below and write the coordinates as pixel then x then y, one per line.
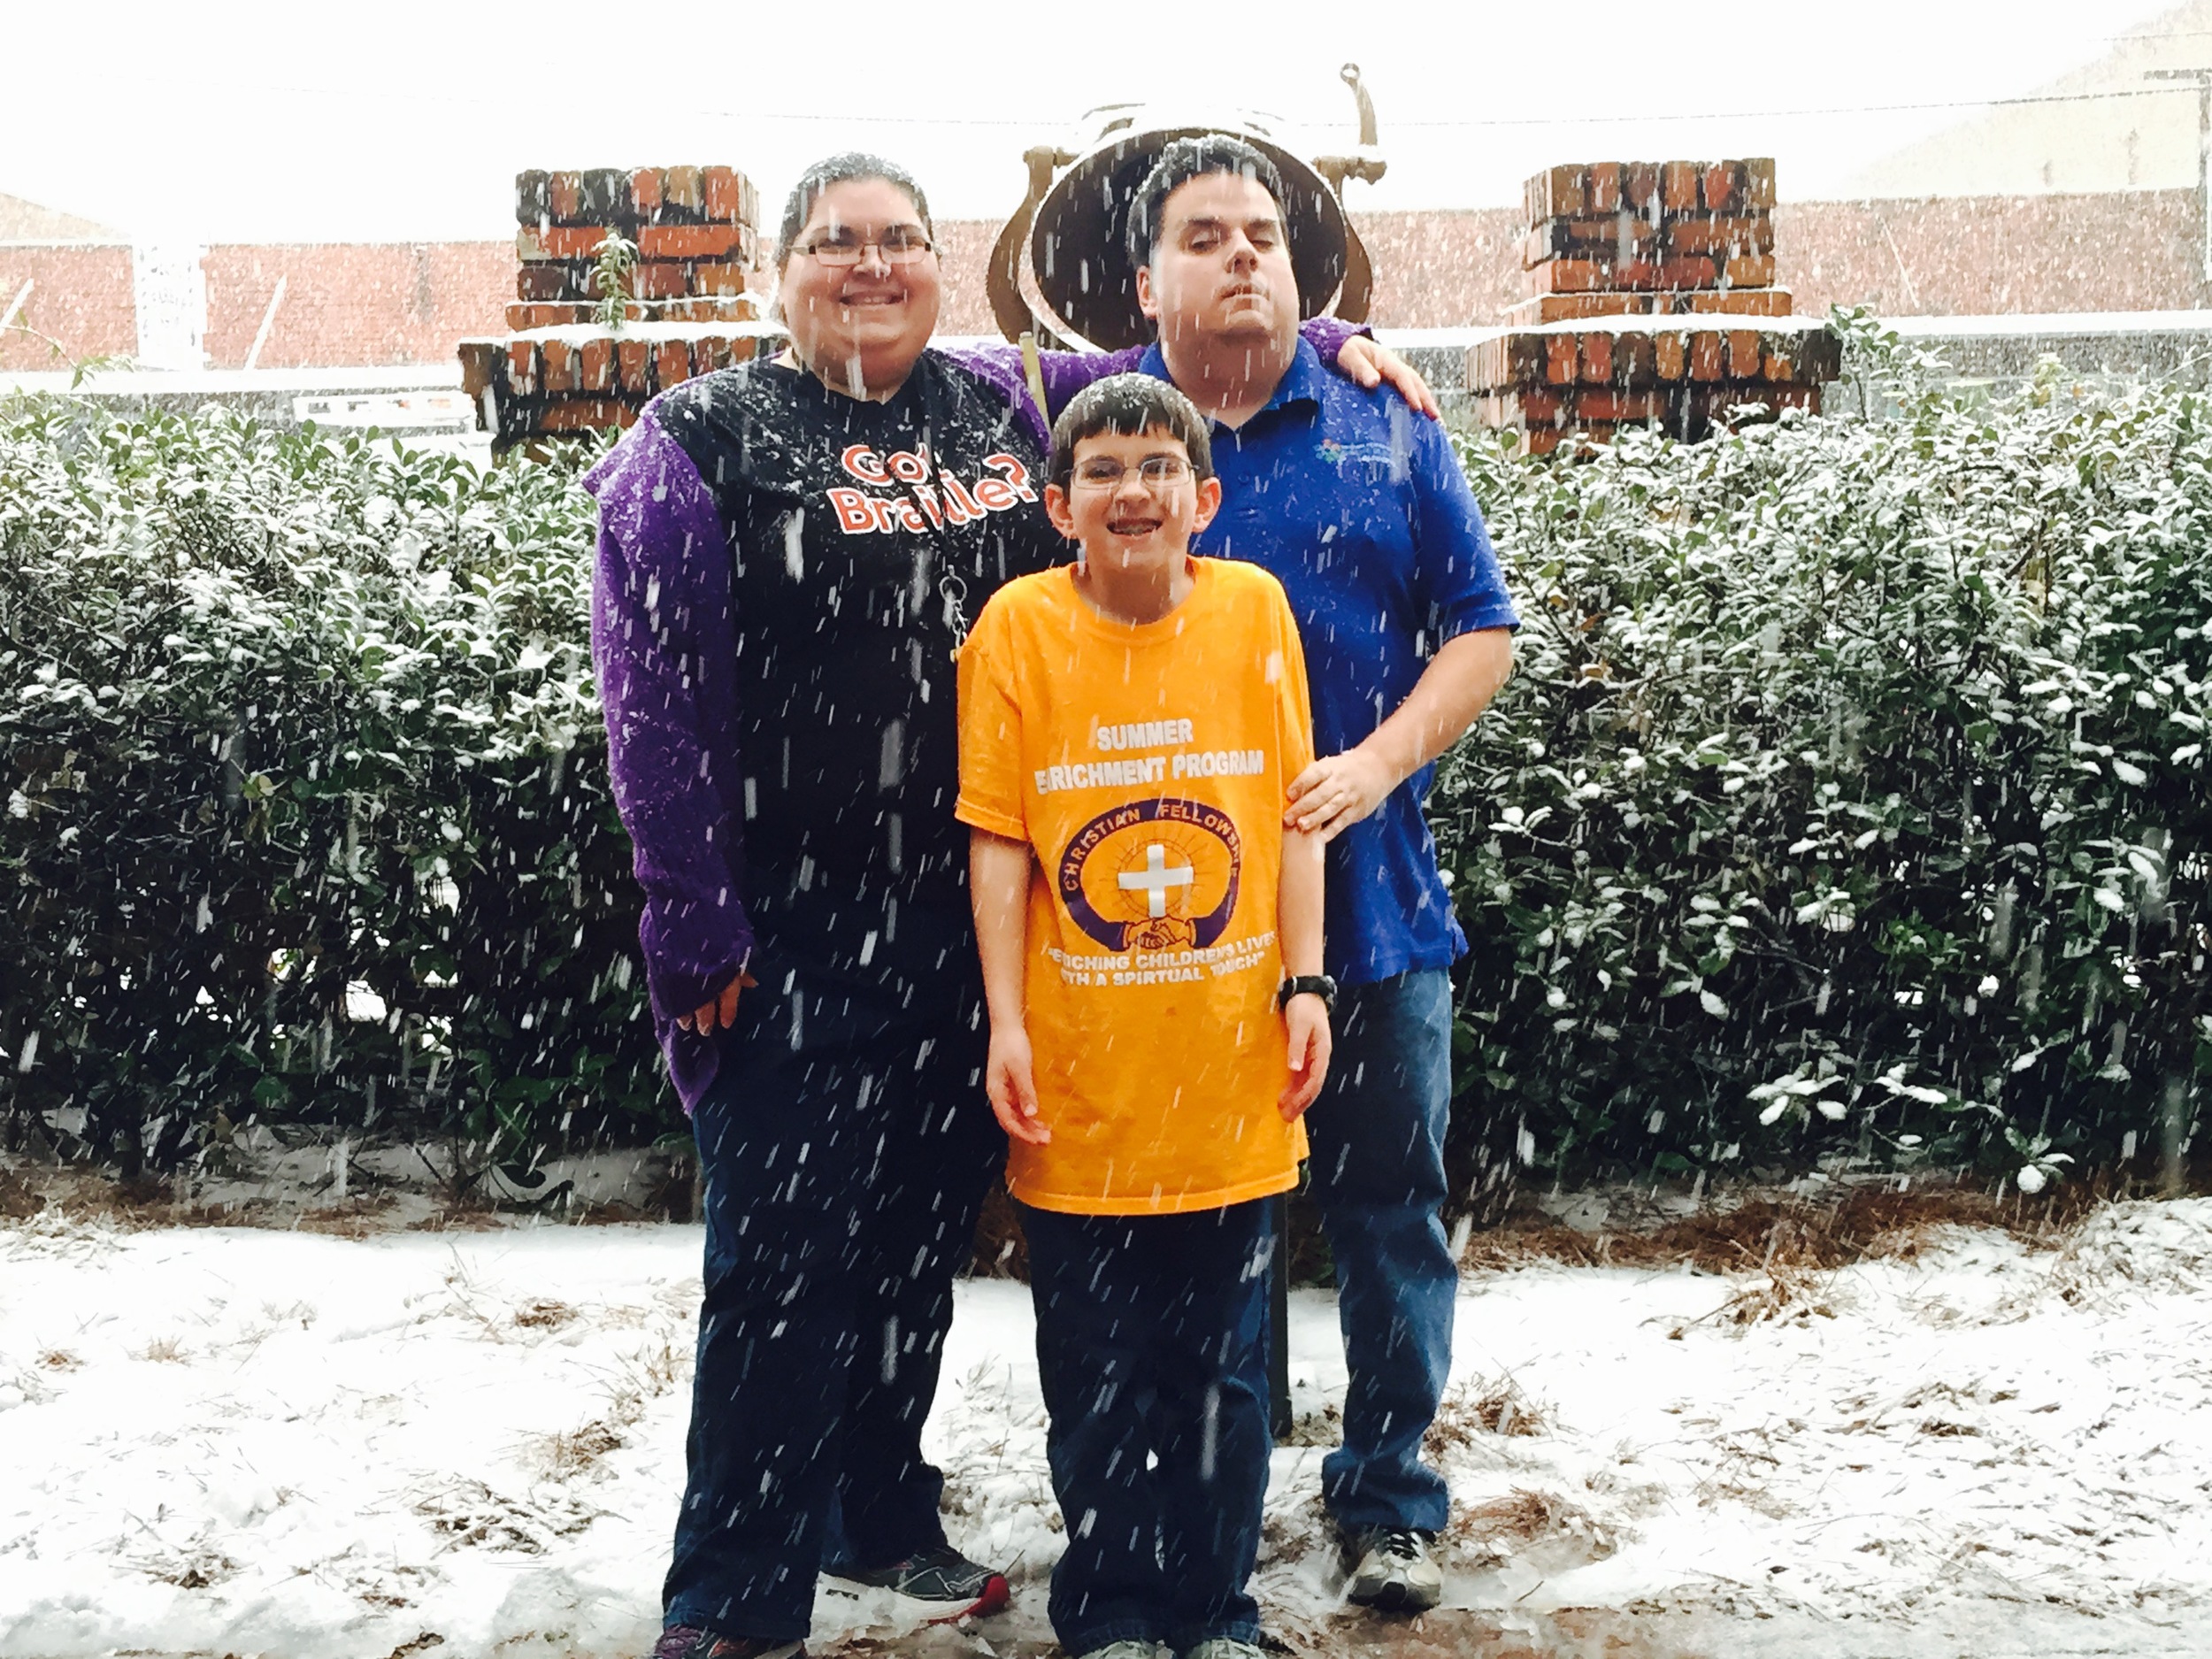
pixel 1151 944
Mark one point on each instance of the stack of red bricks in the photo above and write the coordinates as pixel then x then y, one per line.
pixel 1654 304
pixel 566 368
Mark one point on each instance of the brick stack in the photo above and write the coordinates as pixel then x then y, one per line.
pixel 564 371
pixel 1653 303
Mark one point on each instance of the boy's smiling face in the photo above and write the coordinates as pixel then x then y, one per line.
pixel 1126 521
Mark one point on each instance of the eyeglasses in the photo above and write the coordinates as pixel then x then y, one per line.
pixel 1156 472
pixel 902 244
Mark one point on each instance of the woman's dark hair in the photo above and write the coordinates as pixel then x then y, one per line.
pixel 1129 406
pixel 853 166
pixel 1188 158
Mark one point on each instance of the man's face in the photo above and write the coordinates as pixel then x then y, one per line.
pixel 1221 268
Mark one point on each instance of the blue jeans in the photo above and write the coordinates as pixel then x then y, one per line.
pixel 1376 1171
pixel 1152 1336
pixel 845 1145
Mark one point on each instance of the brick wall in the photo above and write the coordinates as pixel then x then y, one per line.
pixel 2139 251
pixel 81 299
pixel 355 304
pixel 2134 250
pixel 364 304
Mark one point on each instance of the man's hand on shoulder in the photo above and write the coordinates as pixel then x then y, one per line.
pixel 1336 792
pixel 1364 363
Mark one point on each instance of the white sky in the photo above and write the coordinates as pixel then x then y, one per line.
pixel 322 120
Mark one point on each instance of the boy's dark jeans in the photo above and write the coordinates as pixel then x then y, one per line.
pixel 1152 1335
pixel 845 1147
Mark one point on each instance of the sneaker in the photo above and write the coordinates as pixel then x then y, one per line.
pixel 1395 1569
pixel 1223 1647
pixel 1126 1650
pixel 688 1641
pixel 941 1573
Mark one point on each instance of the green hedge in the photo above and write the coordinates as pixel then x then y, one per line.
pixel 1849 796
pixel 306 810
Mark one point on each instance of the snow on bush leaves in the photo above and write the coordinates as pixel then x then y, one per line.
pixel 299 729
pixel 1850 794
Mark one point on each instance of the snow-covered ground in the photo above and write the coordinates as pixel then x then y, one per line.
pixel 260 1442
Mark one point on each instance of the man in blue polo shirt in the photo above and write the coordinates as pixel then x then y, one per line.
pixel 1360 508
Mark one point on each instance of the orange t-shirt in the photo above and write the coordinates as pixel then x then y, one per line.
pixel 1146 766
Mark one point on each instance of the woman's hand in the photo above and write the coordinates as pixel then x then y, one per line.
pixel 722 1011
pixel 1366 364
pixel 1306 1017
pixel 1007 1081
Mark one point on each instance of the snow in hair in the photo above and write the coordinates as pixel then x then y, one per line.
pixel 1128 405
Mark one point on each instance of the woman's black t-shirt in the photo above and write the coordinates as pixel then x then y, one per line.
pixel 863 537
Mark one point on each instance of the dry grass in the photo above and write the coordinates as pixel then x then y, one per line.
pixel 20 1200
pixel 1325 1428
pixel 468 1513
pixel 60 1359
pixel 543 1314
pixel 355 1218
pixel 1790 1231
pixel 165 1350
pixel 1523 1520
pixel 1783 1293
pixel 1491 1406
pixel 579 1452
pixel 1000 1251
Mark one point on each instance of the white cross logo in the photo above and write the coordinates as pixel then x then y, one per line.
pixel 1156 879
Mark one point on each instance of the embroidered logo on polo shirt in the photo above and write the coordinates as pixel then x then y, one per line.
pixel 1339 455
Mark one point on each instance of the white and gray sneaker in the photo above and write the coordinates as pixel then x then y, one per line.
pixel 1127 1650
pixel 1394 1568
pixel 1223 1647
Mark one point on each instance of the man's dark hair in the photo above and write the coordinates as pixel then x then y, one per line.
pixel 1129 406
pixel 853 166
pixel 1188 158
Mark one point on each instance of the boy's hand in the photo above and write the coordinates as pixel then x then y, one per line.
pixel 1013 1090
pixel 1336 792
pixel 1367 363
pixel 1307 1018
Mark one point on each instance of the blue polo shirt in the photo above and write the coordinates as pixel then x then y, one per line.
pixel 1358 507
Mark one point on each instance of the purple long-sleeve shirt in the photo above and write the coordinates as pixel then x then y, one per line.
pixel 668 638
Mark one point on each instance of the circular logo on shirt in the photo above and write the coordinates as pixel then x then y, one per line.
pixel 1153 875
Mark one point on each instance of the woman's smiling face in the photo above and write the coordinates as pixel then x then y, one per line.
pixel 860 327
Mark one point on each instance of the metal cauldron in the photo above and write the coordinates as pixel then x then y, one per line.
pixel 1073 223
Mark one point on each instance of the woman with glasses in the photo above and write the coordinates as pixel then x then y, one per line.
pixel 789 554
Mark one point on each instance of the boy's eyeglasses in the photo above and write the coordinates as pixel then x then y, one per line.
pixel 899 245
pixel 1155 471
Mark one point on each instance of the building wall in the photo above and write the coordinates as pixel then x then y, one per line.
pixel 2119 251
pixel 2103 127
pixel 374 303
pixel 81 302
pixel 355 304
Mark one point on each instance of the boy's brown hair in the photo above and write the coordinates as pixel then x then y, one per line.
pixel 1129 406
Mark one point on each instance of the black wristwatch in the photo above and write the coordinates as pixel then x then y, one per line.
pixel 1299 984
